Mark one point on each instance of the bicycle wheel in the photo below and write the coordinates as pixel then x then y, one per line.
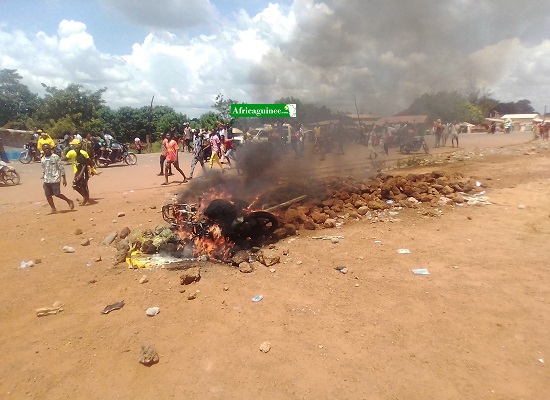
pixel 130 159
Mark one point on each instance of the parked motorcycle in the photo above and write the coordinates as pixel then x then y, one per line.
pixel 8 175
pixel 415 144
pixel 31 153
pixel 119 153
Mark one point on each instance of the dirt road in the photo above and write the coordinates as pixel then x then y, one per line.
pixel 476 328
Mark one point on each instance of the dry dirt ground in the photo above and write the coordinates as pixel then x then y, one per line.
pixel 476 328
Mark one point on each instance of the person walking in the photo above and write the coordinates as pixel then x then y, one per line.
pixel 370 143
pixel 215 147
pixel 455 130
pixel 163 152
pixel 53 173
pixel 81 161
pixel 198 153
pixel 389 134
pixel 172 157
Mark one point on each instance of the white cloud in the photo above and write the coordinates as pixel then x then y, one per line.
pixel 324 52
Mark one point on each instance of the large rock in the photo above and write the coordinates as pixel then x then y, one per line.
pixel 268 257
pixel 362 210
pixel 318 217
pixel 190 275
pixel 148 247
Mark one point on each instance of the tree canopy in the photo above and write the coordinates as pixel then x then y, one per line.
pixel 76 109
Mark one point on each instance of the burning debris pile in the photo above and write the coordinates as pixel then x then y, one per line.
pixel 221 228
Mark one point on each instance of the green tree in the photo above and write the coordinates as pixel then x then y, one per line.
pixel 72 107
pixel 208 120
pixel 17 102
pixel 223 108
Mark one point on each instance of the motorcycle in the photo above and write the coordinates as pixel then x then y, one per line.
pixel 221 217
pixel 8 175
pixel 119 153
pixel 31 153
pixel 415 144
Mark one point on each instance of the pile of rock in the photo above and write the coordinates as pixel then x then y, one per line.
pixel 356 198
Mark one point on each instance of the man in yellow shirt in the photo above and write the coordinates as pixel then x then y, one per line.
pixel 44 139
pixel 81 161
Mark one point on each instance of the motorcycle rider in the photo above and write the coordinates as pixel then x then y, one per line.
pixel 44 139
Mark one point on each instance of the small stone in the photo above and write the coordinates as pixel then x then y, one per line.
pixel 110 238
pixel 268 257
pixel 85 242
pixel 522 206
pixel 265 347
pixel 299 262
pixel 120 214
pixel 362 210
pixel 78 231
pixel 329 223
pixel 470 218
pixel 245 267
pixel 114 221
pixel 192 296
pixel 37 261
pixel 272 270
pixel 92 281
pixel 153 207
pixel 68 249
pixel 190 275
pixel 97 259
pixel 152 311
pixel 225 288
pixel 182 290
pixel 334 240
pixel 124 232
pixel 356 285
pixel 148 356
pixel 143 279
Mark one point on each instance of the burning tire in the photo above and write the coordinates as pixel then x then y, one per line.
pixel 257 225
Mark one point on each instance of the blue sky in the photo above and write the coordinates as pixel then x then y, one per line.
pixel 184 52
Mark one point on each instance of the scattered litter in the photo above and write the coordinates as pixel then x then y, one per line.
pixel 68 249
pixel 27 264
pixel 257 298
pixel 152 311
pixel 389 202
pixel 326 237
pixel 420 271
pixel 44 311
pixel 111 307
pixel 404 251
pixel 522 206
pixel 89 263
pixel 343 270
pixel 541 361
pixel 378 241
pixel 478 184
pixel 477 200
